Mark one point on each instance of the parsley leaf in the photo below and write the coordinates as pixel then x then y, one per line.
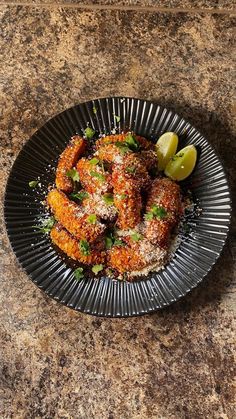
pixel 108 198
pixel 94 110
pixel 33 183
pixel 118 242
pixel 89 133
pixel 131 142
pixel 157 212
pixel 92 219
pixel 99 176
pixel 97 268
pixel 108 242
pixel 136 237
pixel 130 169
pixel 78 273
pixel 84 247
pixel 176 156
pixel 46 225
pixel 94 161
pixel 73 174
pixel 117 117
pixel 122 146
pixel 122 196
pixel 79 195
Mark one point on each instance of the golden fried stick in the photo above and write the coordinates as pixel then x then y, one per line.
pixel 92 176
pixel 135 256
pixel 73 218
pixel 127 181
pixel 149 159
pixel 165 196
pixel 71 247
pixel 111 139
pixel 67 161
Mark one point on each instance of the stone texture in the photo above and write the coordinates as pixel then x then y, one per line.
pixel 57 363
pixel 170 4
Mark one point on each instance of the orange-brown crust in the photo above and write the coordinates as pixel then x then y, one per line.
pixel 70 215
pixel 124 259
pixel 90 182
pixel 166 194
pixel 70 246
pixel 67 161
pixel 111 139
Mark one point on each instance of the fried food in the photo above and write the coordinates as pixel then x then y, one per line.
pixel 92 176
pixel 73 218
pixel 69 245
pixel 67 161
pixel 165 195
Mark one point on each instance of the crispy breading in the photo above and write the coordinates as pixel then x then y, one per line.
pixel 73 218
pixel 164 193
pixel 124 259
pixel 127 181
pixel 96 204
pixel 93 177
pixel 71 247
pixel 149 159
pixel 111 139
pixel 67 161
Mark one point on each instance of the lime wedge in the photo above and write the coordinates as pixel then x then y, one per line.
pixel 182 163
pixel 166 147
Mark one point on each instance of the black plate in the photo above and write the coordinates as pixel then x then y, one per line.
pixel 197 252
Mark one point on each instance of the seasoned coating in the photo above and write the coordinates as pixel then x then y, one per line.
pixel 95 204
pixel 135 256
pixel 67 161
pixel 111 139
pixel 111 153
pixel 124 259
pixel 127 181
pixel 92 177
pixel 149 159
pixel 73 218
pixel 164 193
pixel 70 246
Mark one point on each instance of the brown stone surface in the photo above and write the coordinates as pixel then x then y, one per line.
pixel 56 363
pixel 170 4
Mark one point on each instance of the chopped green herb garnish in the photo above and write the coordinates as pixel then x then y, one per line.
pixel 94 110
pixel 33 183
pixel 94 161
pixel 108 198
pixel 108 242
pixel 92 218
pixel 117 117
pixel 46 225
pixel 84 247
pixel 157 212
pixel 130 169
pixel 73 174
pixel 99 176
pixel 97 268
pixel 122 146
pixel 79 195
pixel 78 273
pixel 118 242
pixel 89 133
pixel 136 237
pixel 131 142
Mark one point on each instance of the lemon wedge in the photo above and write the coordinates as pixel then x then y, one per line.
pixel 166 147
pixel 182 164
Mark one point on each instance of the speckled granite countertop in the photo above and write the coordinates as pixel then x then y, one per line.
pixel 178 363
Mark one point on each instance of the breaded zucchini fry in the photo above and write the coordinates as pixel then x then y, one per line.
pixel 165 195
pixel 72 217
pixel 111 139
pixel 67 161
pixel 92 176
pixel 71 247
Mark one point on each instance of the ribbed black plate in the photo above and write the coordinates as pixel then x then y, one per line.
pixel 197 252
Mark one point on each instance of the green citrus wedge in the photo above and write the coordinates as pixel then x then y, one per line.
pixel 166 147
pixel 182 164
